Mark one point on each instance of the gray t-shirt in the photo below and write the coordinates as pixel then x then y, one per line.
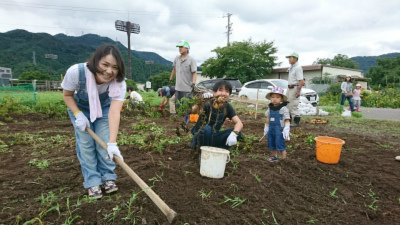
pixel 295 74
pixel 284 111
pixel 184 73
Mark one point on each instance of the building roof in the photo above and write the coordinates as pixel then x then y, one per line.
pixel 313 67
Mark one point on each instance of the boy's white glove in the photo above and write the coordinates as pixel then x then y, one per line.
pixel 286 131
pixel 81 121
pixel 266 128
pixel 112 149
pixel 208 95
pixel 232 139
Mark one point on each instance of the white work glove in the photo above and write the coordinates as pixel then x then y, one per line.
pixel 286 131
pixel 112 149
pixel 81 122
pixel 208 95
pixel 232 139
pixel 266 128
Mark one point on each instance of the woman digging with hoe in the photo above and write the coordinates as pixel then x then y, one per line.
pixel 94 93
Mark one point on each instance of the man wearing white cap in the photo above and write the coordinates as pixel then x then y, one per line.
pixel 185 69
pixel 295 81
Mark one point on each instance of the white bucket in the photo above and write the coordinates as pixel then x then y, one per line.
pixel 213 161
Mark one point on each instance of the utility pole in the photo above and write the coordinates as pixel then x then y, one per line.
pixel 129 28
pixel 50 57
pixel 229 26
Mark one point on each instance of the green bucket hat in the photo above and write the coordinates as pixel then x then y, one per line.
pixel 294 54
pixel 183 43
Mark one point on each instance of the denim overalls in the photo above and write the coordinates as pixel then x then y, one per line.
pixel 275 136
pixel 207 136
pixel 96 167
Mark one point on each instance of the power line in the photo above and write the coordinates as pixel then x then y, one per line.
pixel 229 26
pixel 86 9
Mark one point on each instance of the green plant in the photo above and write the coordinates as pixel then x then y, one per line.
pixel 235 164
pixel 256 176
pixel 309 140
pixel 234 187
pixel 4 148
pixel 204 194
pixel 356 114
pixel 47 199
pixel 333 193
pixel 273 216
pixel 312 220
pixel 70 218
pixel 187 172
pixel 157 178
pixel 110 217
pixel 128 205
pixel 374 198
pixel 235 202
pixel 41 214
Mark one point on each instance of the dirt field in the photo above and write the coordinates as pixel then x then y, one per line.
pixel 363 188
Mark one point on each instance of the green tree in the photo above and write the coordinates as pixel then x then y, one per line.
pixel 338 60
pixel 34 75
pixel 160 80
pixel 386 73
pixel 243 60
pixel 131 83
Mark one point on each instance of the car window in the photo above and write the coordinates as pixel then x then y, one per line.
pixel 209 85
pixel 253 85
pixel 201 84
pixel 235 83
pixel 265 84
pixel 280 83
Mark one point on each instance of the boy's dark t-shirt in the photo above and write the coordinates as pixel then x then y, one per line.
pixel 171 91
pixel 230 113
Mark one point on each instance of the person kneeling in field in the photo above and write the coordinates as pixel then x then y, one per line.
pixel 277 124
pixel 207 129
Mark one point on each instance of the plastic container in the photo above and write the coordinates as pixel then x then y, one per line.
pixel 328 149
pixel 213 161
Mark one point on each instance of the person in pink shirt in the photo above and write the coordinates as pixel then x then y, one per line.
pixel 357 97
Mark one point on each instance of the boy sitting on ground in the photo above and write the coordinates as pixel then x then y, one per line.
pixel 207 129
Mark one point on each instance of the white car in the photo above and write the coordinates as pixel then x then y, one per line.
pixel 264 86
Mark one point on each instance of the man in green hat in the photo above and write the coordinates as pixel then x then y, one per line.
pixel 296 82
pixel 185 69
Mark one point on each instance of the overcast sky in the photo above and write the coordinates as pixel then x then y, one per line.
pixel 312 28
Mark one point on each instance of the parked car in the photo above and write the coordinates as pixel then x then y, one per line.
pixel 209 84
pixel 249 90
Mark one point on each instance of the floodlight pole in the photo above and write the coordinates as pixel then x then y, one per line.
pixel 128 25
pixel 129 28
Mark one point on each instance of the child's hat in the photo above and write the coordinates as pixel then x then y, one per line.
pixel 277 90
pixel 358 85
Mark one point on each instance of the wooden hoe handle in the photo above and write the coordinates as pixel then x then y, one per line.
pixel 171 214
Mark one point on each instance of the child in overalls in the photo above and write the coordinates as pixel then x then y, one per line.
pixel 277 124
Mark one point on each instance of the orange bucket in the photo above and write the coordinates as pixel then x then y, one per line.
pixel 328 149
pixel 194 118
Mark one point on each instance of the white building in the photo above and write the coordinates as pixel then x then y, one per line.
pixel 5 76
pixel 318 70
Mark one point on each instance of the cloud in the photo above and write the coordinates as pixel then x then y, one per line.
pixel 314 29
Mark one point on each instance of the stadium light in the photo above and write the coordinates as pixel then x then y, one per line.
pixel 129 28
